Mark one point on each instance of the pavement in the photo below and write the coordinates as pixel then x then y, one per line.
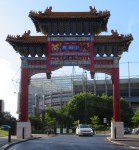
pixel 4 144
pixel 131 141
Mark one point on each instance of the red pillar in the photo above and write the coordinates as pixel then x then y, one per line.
pixel 24 95
pixel 116 95
pixel 48 47
pixel 92 54
pixel 92 71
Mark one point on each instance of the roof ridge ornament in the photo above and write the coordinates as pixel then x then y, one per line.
pixel 114 34
pixel 24 36
pixel 93 10
pixel 48 10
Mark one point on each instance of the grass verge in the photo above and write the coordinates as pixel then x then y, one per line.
pixel 3 133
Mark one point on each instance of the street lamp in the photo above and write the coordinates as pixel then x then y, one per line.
pixel 85 100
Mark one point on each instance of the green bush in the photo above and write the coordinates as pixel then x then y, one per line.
pixel 36 132
pixel 100 127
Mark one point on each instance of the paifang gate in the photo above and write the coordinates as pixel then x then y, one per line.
pixel 70 39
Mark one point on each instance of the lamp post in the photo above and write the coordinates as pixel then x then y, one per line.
pixel 85 100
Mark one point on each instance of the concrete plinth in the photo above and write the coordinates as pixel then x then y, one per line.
pixel 118 128
pixel 27 130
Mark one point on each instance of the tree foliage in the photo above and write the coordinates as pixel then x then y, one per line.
pixel 47 120
pixel 34 121
pixel 94 120
pixel 62 117
pixel 112 119
pixel 135 118
pixel 101 106
pixel 5 118
pixel 75 124
pixel 126 113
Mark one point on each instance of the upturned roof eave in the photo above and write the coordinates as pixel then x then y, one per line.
pixel 97 39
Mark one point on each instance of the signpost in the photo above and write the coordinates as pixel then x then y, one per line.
pixel 105 120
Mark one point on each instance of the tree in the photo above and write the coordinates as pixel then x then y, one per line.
pixel 94 120
pixel 101 106
pixel 75 123
pixel 34 121
pixel 135 118
pixel 63 118
pixel 112 119
pixel 5 118
pixel 51 111
pixel 48 121
pixel 126 113
pixel 96 105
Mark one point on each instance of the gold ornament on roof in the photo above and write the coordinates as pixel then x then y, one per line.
pixel 114 34
pixel 48 10
pixel 93 10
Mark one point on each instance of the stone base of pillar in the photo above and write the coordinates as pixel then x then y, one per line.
pixel 27 130
pixel 117 130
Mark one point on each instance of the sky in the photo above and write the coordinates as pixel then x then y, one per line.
pixel 14 20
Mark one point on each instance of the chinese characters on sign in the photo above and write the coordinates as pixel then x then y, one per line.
pixel 70 47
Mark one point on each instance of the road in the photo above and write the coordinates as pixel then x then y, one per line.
pixel 69 142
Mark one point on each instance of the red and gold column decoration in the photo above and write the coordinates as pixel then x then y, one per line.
pixel 48 50
pixel 92 72
pixel 116 91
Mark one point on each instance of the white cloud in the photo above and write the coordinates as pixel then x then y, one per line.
pixel 6 87
pixel 133 20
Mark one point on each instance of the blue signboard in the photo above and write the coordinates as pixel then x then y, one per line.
pixel 70 47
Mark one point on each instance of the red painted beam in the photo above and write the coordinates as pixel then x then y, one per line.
pixel 24 96
pixel 116 95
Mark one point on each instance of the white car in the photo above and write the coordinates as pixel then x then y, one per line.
pixel 134 131
pixel 84 129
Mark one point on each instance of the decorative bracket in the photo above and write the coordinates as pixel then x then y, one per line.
pixel 112 79
pixel 48 73
pixel 92 72
pixel 29 80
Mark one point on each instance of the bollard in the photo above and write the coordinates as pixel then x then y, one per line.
pixel 115 132
pixel 23 133
pixel 9 137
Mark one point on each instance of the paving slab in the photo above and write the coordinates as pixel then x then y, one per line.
pixel 131 141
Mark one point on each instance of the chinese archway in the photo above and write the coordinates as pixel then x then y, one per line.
pixel 70 39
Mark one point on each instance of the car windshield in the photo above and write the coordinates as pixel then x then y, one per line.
pixel 84 126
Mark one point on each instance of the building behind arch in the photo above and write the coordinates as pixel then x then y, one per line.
pixel 57 91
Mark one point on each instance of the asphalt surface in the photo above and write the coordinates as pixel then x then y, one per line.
pixel 69 142
pixel 4 140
